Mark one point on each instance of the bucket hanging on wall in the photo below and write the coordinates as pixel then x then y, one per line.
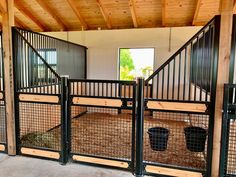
pixel 158 137
pixel 195 138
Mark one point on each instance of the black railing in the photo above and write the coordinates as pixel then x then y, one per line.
pixel 34 74
pixel 102 88
pixel 64 57
pixel 187 74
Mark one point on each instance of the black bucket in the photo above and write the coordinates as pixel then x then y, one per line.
pixel 195 138
pixel 158 137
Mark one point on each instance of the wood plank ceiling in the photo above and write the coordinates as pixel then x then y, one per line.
pixel 71 15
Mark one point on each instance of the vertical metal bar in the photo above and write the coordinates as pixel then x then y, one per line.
pixel 168 79
pixel 139 128
pixel 163 83
pixel 185 63
pixel 64 118
pixel 179 74
pixel 132 165
pixel 173 83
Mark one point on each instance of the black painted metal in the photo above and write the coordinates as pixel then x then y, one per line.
pixel 190 67
pixel 139 128
pixel 228 139
pixel 188 76
pixel 64 121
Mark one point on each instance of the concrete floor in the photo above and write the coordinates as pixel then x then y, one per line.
pixel 18 166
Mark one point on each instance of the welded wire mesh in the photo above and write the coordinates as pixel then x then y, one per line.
pixel 231 149
pixel 101 132
pixel 2 123
pixel 167 142
pixel 39 125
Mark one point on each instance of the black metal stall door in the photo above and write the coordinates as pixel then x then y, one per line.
pixel 37 100
pixel 228 140
pixel 101 122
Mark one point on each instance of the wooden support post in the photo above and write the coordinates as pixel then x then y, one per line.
pixel 222 77
pixel 7 23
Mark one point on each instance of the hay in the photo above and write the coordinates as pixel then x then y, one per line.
pixel 39 139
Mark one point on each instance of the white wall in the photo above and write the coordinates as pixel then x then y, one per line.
pixel 103 46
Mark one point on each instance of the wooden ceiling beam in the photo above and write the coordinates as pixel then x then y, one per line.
pixel 234 8
pixel 3 6
pixel 163 5
pixel 133 13
pixel 29 15
pixel 20 23
pixel 104 14
pixel 78 14
pixel 199 3
pixel 50 11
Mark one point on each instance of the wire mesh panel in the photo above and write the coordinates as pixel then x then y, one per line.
pixel 176 139
pixel 39 124
pixel 2 123
pixel 228 139
pixel 102 119
pixel 101 132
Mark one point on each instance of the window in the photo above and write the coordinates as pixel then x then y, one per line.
pixel 135 62
pixel 41 71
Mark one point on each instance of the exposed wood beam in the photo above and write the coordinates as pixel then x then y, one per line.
pixel 20 23
pixel 49 10
pixel 7 23
pixel 77 13
pixel 3 6
pixel 104 14
pixel 199 3
pixel 133 13
pixel 29 15
pixel 226 11
pixel 234 10
pixel 163 5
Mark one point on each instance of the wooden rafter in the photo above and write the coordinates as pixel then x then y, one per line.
pixel 29 15
pixel 163 4
pixel 77 13
pixel 104 14
pixel 3 6
pixel 20 23
pixel 133 13
pixel 234 9
pixel 199 3
pixel 50 11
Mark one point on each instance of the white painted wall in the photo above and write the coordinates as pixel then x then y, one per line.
pixel 103 46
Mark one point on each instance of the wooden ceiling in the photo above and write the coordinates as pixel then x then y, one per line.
pixel 70 15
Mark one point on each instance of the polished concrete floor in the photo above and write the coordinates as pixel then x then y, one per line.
pixel 18 166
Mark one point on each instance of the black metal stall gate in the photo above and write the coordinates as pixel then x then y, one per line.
pixel 40 91
pixel 3 137
pixel 98 121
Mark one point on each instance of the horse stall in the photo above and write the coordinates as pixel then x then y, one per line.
pixel 161 125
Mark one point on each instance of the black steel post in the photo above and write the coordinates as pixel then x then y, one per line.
pixel 139 127
pixel 64 118
pixel 224 133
